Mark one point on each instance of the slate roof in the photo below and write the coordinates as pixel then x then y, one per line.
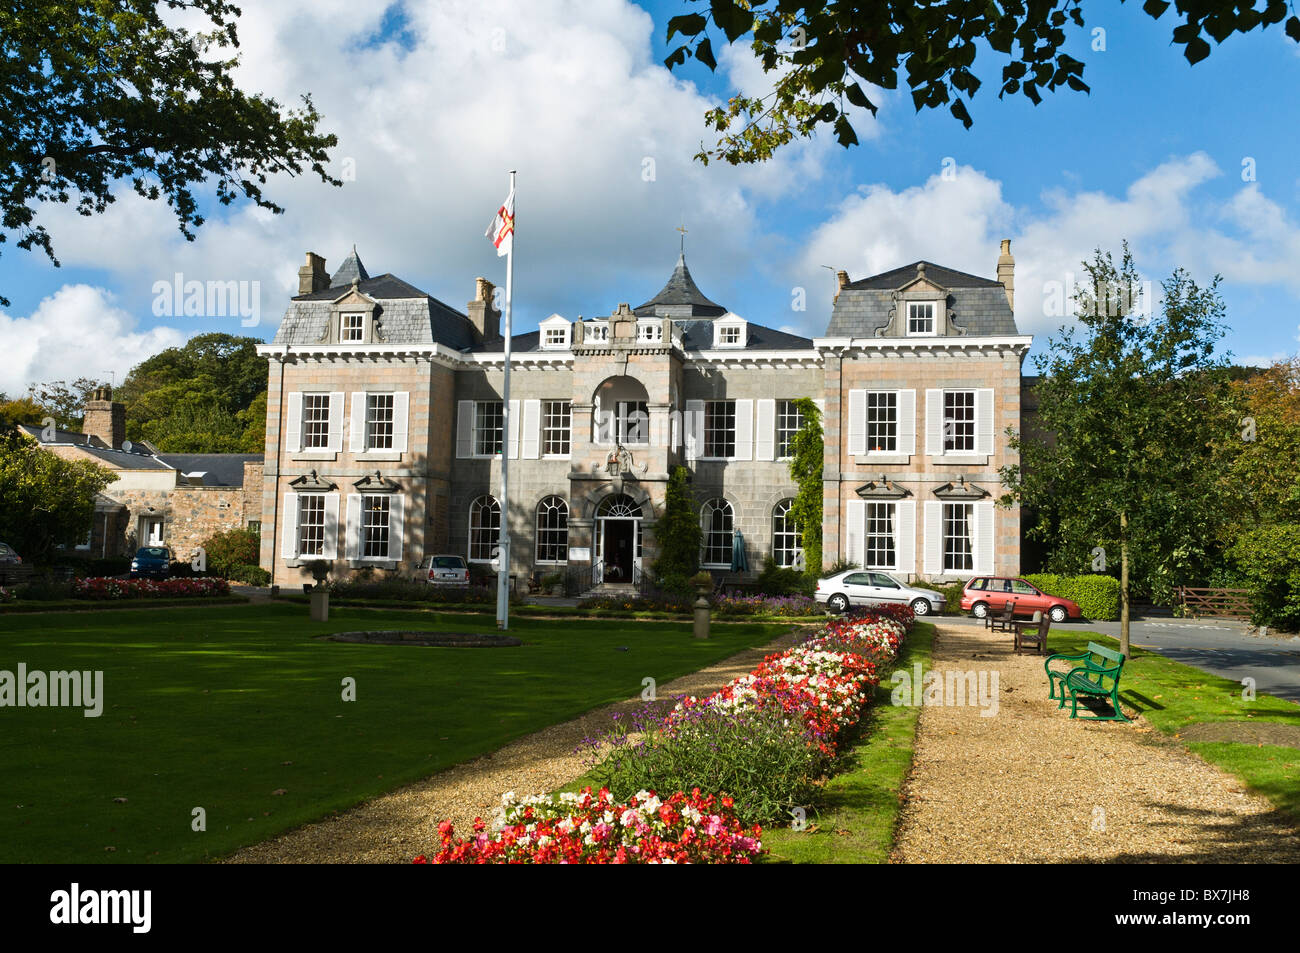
pixel 221 469
pixel 978 304
pixel 407 315
pixel 680 298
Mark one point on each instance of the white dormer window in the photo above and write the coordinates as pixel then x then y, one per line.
pixel 650 331
pixel 555 333
pixel 920 317
pixel 729 332
pixel 353 327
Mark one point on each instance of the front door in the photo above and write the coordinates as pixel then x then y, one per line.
pixel 619 549
pixel 151 531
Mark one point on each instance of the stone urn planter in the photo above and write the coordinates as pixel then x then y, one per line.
pixel 319 595
pixel 703 583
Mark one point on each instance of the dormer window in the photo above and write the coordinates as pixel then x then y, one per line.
pixel 556 337
pixel 920 317
pixel 353 327
pixel 555 333
pixel 729 333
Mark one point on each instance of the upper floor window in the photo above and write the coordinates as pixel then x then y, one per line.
pixel 633 422
pixel 353 327
pixel 489 430
pixel 556 338
pixel 379 421
pixel 920 317
pixel 557 417
pixel 959 421
pixel 315 421
pixel 788 423
pixel 719 429
pixel 882 421
pixel 729 334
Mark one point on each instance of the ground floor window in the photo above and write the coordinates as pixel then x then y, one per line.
pixel 311 524
pixel 880 535
pixel 786 550
pixel 375 512
pixel 484 528
pixel 718 520
pixel 553 530
pixel 958 552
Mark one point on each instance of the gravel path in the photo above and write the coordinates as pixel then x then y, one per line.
pixel 400 825
pixel 1031 785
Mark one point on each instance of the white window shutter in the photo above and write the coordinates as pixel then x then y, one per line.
pixel 982 543
pixel 933 424
pixel 336 422
pixel 984 421
pixel 933 538
pixel 512 429
pixel 396 525
pixel 293 424
pixel 765 430
pixel 401 420
pixel 532 429
pixel 855 524
pixel 464 429
pixel 289 539
pixel 357 439
pixel 693 427
pixel 331 547
pixel 744 430
pixel 907 422
pixel 352 538
pixel 905 536
pixel 857 422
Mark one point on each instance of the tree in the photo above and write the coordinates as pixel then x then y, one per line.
pixel 1130 413
pixel 679 534
pixel 23 410
pixel 807 462
pixel 48 501
pixel 821 54
pixel 66 403
pixel 104 91
pixel 235 371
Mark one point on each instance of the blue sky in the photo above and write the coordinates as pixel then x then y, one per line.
pixel 434 102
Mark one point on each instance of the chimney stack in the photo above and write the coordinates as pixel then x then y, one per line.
pixel 313 276
pixel 1007 272
pixel 485 318
pixel 841 279
pixel 105 418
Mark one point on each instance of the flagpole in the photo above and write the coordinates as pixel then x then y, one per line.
pixel 503 544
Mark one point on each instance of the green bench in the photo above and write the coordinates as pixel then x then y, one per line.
pixel 1098 677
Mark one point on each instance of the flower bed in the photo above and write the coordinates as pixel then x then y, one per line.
pixel 109 588
pixel 593 828
pixel 763 742
pixel 784 606
pixel 6 595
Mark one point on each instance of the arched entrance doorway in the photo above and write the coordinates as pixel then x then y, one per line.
pixel 618 541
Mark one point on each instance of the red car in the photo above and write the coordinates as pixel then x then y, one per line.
pixel 985 594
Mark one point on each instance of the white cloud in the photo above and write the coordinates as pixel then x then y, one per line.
pixel 76 332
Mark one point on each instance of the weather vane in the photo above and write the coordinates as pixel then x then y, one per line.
pixel 682 228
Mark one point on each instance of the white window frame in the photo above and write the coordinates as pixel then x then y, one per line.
pixel 707 511
pixel 785 528
pixel 344 329
pixel 949 554
pixel 552 504
pixel 386 525
pixel 477 506
pixel 546 428
pixel 973 422
pixel 897 422
pixel 299 548
pixel 783 410
pixel 723 330
pixel 934 318
pixel 303 445
pixel 871 532
pixel 477 430
pixel 367 422
pixel 705 431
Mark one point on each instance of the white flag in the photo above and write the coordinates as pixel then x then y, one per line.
pixel 502 229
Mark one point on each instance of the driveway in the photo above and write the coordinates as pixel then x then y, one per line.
pixel 1220 646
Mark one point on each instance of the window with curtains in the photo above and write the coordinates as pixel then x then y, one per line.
pixel 553 530
pixel 880 553
pixel 374 526
pixel 958 551
pixel 785 535
pixel 484 528
pixel 788 422
pixel 718 520
pixel 311 524
pixel 882 421
pixel 959 421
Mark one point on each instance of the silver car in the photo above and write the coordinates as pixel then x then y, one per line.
pixel 869 587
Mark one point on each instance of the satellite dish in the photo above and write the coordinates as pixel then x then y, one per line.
pixel 126 446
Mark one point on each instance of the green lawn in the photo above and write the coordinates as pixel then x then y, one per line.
pixel 221 707
pixel 858 814
pixel 1172 696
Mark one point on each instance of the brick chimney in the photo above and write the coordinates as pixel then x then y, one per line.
pixel 1007 272
pixel 105 418
pixel 485 318
pixel 841 280
pixel 313 276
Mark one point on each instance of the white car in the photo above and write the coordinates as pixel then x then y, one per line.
pixel 445 570
pixel 863 587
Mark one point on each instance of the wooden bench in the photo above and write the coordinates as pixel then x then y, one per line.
pixel 1097 677
pixel 1032 633
pixel 1002 621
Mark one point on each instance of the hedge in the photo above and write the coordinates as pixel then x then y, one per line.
pixel 1097 596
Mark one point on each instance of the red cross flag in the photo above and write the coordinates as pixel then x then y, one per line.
pixel 502 229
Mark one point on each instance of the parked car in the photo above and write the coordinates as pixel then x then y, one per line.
pixel 9 556
pixel 985 594
pixel 154 562
pixel 860 587
pixel 445 570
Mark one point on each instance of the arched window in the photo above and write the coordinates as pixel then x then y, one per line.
pixel 718 520
pixel 553 530
pixel 484 528
pixel 785 535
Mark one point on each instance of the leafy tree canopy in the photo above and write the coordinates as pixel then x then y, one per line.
pixel 821 55
pixel 99 92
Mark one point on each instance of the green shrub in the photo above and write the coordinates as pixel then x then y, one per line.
pixel 1266 558
pixel 775 580
pixel 1096 595
pixel 253 575
pixel 229 550
pixel 951 594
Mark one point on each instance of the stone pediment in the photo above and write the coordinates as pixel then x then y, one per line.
pixel 961 490
pixel 882 489
pixel 312 483
pixel 377 483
